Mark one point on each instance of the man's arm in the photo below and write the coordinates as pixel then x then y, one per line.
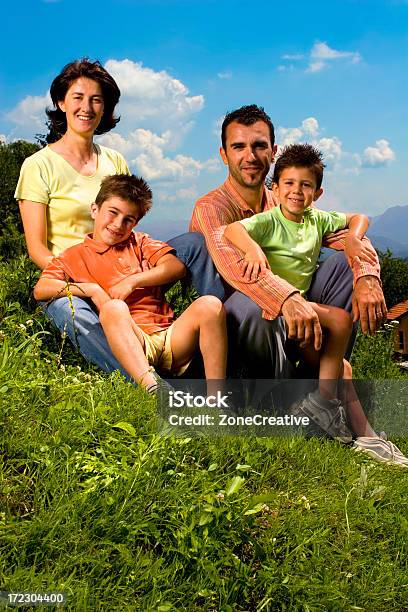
pixel 167 269
pixel 273 294
pixel 268 290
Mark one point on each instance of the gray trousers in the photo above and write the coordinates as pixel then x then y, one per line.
pixel 256 345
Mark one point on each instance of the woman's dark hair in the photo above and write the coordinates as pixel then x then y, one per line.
pixel 57 123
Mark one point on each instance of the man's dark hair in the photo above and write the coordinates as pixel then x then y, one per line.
pixel 132 188
pixel 247 115
pixel 57 122
pixel 300 156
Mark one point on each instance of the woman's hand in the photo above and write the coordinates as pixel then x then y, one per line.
pixel 254 263
pixel 356 248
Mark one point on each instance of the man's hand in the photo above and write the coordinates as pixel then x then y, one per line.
pixel 254 263
pixel 369 304
pixel 302 321
pixel 357 250
pixel 97 295
pixel 123 288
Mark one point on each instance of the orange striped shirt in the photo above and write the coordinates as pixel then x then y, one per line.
pixel 225 205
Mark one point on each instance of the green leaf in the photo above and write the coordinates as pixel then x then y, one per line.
pixel 243 468
pixel 234 485
pixel 212 467
pixel 205 518
pixel 125 427
pixel 254 510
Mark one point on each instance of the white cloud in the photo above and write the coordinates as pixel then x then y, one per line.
pixel 321 54
pixel 187 195
pixel 380 155
pixel 217 125
pixel 308 129
pixel 338 160
pixel 29 114
pixel 3 138
pixel 146 153
pixel 152 99
pixel 226 75
pixel 322 51
pixel 294 57
pixel 319 57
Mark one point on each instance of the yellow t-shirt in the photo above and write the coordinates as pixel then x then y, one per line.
pixel 46 177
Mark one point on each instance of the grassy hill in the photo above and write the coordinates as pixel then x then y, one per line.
pixel 95 504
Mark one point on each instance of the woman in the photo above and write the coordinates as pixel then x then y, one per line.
pixel 58 184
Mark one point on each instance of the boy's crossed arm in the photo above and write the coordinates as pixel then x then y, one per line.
pixel 255 260
pixel 50 288
pixel 355 249
pixel 166 270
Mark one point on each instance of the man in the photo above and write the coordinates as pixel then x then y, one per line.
pixel 248 149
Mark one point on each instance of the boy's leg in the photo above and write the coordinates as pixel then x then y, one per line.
pixel 355 413
pixel 84 330
pixel 201 325
pixel 336 324
pixel 126 341
pixel 192 251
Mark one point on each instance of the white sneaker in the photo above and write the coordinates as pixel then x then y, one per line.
pixel 381 449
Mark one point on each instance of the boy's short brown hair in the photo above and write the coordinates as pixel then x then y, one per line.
pixel 128 187
pixel 300 156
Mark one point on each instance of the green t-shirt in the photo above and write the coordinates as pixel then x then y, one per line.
pixel 46 177
pixel 292 249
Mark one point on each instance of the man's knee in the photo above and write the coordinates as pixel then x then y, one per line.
pixel 333 283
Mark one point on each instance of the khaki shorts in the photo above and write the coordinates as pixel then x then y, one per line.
pixel 157 349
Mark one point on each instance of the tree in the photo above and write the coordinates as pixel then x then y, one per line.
pixel 394 276
pixel 12 156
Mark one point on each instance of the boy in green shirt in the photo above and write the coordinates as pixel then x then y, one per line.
pixel 288 240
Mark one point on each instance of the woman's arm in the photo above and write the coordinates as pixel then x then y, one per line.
pixel 33 215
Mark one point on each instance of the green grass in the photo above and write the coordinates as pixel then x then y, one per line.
pixel 94 503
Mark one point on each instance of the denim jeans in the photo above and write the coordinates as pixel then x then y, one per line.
pixel 85 330
pixel 256 346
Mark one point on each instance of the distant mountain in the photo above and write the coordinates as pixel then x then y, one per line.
pixel 390 231
pixel 387 231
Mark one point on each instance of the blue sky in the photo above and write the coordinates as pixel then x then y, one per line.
pixel 332 73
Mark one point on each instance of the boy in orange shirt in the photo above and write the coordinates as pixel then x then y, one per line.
pixel 123 272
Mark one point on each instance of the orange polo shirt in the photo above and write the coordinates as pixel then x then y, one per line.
pixel 95 262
